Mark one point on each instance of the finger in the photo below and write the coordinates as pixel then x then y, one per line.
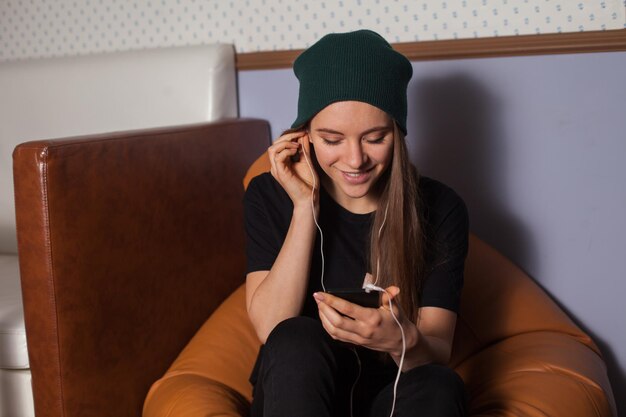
pixel 390 293
pixel 282 151
pixel 285 154
pixel 306 143
pixel 337 332
pixel 361 331
pixel 306 146
pixel 275 151
pixel 288 137
pixel 285 165
pixel 345 307
pixel 270 156
pixel 299 140
pixel 306 150
pixel 337 319
pixel 277 148
pixel 363 326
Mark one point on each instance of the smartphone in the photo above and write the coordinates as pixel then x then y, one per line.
pixel 358 296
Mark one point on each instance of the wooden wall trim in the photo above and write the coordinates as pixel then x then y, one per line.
pixel 559 43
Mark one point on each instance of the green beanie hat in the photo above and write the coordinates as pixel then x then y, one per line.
pixel 359 66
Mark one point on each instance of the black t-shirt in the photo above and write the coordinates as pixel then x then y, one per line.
pixel 268 211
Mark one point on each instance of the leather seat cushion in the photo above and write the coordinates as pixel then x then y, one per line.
pixel 537 374
pixel 194 396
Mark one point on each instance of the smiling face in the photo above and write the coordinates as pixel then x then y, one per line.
pixel 353 144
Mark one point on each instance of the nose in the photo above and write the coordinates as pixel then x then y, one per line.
pixel 356 156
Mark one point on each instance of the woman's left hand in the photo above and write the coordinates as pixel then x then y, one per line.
pixel 373 328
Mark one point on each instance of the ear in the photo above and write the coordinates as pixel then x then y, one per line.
pixel 306 142
pixel 308 136
pixel 307 146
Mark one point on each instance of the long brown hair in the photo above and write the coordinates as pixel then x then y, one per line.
pixel 397 246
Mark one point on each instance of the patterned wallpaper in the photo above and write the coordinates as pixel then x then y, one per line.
pixel 44 28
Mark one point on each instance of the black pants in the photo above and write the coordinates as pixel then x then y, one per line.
pixel 302 372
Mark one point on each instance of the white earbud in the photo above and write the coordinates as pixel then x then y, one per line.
pixel 372 287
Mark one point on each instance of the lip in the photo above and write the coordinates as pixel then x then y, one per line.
pixel 357 177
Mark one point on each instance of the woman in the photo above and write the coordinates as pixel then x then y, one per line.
pixel 344 167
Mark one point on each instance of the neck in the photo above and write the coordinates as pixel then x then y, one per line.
pixel 363 205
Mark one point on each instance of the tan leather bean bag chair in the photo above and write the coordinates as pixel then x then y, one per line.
pixel 516 350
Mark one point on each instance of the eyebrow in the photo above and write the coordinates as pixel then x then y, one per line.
pixel 334 132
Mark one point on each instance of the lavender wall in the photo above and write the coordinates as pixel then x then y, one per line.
pixel 536 147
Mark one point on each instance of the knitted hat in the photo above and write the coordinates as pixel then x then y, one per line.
pixel 359 66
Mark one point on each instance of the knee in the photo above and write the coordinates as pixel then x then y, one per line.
pixel 296 335
pixel 449 381
pixel 442 382
pixel 435 390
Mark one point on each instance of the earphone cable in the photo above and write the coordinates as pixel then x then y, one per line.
pixel 315 217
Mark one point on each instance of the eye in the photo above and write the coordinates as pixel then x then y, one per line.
pixel 375 140
pixel 331 142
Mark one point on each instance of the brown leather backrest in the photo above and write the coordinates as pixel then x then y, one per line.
pixel 498 301
pixel 127 243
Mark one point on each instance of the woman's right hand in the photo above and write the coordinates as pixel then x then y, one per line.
pixel 295 175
